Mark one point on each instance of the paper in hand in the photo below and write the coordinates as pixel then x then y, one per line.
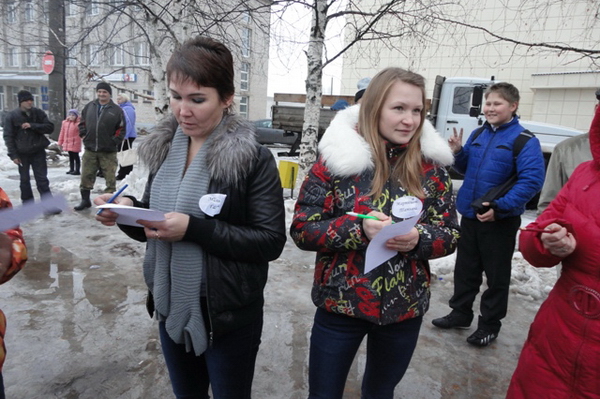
pixel 11 218
pixel 129 215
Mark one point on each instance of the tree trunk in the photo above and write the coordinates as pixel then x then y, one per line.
pixel 312 108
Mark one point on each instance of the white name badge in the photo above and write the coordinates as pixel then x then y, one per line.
pixel 407 207
pixel 211 204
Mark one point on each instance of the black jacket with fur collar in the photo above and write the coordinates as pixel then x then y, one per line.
pixel 248 232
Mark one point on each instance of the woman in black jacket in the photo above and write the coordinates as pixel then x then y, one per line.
pixel 206 263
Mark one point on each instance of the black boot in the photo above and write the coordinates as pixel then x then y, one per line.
pixel 85 201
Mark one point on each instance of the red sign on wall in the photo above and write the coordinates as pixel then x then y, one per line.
pixel 48 62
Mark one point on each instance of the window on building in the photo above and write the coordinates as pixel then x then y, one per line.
pixel 29 12
pixel 71 9
pixel 118 55
pixel 93 54
pixel 92 8
pixel 148 93
pixel 246 17
pixel 462 100
pixel 142 57
pixel 31 57
pixel 244 106
pixel 11 13
pixel 13 57
pixel 246 41
pixel 70 59
pixel 245 76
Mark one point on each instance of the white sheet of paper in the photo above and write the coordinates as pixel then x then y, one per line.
pixel 377 253
pixel 13 217
pixel 129 214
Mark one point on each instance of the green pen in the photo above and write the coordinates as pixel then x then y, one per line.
pixel 360 215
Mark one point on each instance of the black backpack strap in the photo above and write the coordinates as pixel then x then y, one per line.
pixel 477 132
pixel 520 142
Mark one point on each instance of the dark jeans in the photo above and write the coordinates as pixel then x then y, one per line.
pixel 227 366
pixel 1 387
pixel 334 341
pixel 484 248
pixel 37 162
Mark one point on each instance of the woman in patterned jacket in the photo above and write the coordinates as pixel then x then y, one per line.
pixel 370 156
pixel 13 255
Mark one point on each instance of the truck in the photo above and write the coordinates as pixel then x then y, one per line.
pixel 456 103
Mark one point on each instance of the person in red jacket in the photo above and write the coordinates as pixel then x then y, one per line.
pixel 13 255
pixel 561 356
pixel 70 141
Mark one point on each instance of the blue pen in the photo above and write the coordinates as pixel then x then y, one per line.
pixel 114 197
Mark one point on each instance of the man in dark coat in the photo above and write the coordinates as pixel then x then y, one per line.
pixel 24 134
pixel 102 130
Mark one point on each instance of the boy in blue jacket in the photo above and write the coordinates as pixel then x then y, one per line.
pixel 489 228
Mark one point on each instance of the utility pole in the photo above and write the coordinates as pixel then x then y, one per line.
pixel 57 79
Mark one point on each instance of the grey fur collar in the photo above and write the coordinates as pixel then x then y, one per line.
pixel 230 154
pixel 346 153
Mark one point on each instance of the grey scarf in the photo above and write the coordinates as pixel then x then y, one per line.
pixel 173 271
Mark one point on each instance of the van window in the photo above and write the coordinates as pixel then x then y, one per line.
pixel 462 100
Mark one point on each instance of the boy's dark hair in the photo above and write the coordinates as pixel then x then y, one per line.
pixel 505 90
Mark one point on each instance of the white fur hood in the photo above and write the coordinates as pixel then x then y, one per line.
pixel 346 153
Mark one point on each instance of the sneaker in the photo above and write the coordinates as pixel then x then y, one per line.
pixel 451 321
pixel 482 337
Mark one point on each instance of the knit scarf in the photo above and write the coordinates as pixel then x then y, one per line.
pixel 173 270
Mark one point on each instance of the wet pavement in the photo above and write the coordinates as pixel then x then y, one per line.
pixel 78 327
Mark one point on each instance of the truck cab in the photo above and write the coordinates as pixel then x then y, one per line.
pixel 457 103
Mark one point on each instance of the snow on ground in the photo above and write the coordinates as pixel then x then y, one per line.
pixel 526 281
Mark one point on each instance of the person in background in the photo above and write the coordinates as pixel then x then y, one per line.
pixel 391 153
pixel 130 132
pixel 340 105
pixel 13 255
pixel 25 130
pixel 70 141
pixel 102 129
pixel 488 234
pixel 567 155
pixel 561 355
pixel 206 264
pixel 362 86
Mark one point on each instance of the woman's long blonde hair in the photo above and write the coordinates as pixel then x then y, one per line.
pixel 408 170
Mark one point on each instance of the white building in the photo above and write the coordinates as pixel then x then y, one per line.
pixel 556 87
pixel 122 43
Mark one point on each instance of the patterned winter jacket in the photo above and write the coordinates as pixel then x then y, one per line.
pixel 338 183
pixel 19 257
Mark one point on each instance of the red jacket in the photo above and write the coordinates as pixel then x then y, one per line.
pixel 69 138
pixel 19 257
pixel 561 357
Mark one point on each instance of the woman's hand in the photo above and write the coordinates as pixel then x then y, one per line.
pixel 171 229
pixel 107 217
pixel 455 141
pixel 559 242
pixel 404 243
pixel 371 227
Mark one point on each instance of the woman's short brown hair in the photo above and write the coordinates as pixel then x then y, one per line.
pixel 205 62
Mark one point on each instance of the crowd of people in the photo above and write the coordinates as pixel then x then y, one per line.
pixel 206 266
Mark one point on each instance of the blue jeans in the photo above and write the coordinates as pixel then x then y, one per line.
pixel 334 342
pixel 227 365
pixel 37 162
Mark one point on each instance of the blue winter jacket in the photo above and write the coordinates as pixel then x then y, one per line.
pixel 488 162
pixel 129 115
